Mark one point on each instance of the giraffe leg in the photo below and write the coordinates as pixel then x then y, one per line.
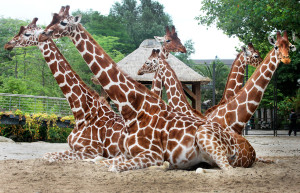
pixel 209 140
pixel 110 162
pixel 142 160
pixel 69 155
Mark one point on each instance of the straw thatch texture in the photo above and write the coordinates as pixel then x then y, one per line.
pixel 133 62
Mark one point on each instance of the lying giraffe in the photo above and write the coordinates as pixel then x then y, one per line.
pixel 236 75
pixel 97 128
pixel 154 132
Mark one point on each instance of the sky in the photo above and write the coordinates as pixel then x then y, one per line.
pixel 208 41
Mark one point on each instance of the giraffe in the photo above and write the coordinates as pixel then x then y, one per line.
pixel 154 132
pixel 238 110
pixel 164 74
pixel 236 75
pixel 97 128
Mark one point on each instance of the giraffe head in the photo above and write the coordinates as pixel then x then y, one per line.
pixel 252 56
pixel 62 24
pixel 27 36
pixel 151 65
pixel 171 42
pixel 282 47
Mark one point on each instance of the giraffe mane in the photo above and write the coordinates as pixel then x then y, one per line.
pixel 91 91
pixel 140 86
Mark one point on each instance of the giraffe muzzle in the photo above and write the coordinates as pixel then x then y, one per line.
pixel 140 72
pixel 9 46
pixel 45 36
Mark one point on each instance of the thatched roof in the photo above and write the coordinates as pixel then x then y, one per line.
pixel 133 62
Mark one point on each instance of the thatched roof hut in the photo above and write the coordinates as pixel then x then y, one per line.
pixel 134 61
pixel 131 63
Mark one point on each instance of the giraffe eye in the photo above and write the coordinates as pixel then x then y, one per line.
pixel 255 56
pixel 276 47
pixel 27 35
pixel 168 41
pixel 63 23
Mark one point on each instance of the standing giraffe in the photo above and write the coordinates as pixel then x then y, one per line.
pixel 97 128
pixel 154 132
pixel 238 110
pixel 236 75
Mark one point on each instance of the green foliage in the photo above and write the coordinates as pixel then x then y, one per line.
pixel 250 20
pixel 110 26
pixel 221 72
pixel 285 106
pixel 39 126
pixel 141 21
pixel 185 57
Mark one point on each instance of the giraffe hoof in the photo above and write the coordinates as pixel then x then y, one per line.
pixel 166 165
pixel 113 169
pixel 202 171
pixel 99 158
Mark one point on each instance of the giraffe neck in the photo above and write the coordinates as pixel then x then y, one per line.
pixel 175 93
pixel 80 98
pixel 164 53
pixel 234 81
pixel 157 83
pixel 235 78
pixel 157 80
pixel 128 95
pixel 240 108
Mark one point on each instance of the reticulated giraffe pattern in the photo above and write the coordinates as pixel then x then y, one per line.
pixel 97 128
pixel 165 75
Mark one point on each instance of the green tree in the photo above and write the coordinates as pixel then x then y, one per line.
pixel 100 25
pixel 221 73
pixel 141 21
pixel 185 57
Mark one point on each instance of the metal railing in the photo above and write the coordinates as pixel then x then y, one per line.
pixel 34 104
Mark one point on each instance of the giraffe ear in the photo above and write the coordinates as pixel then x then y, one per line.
pixel 293 48
pixel 272 40
pixel 77 19
pixel 159 39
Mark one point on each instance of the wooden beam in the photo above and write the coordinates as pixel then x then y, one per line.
pixel 188 91
pixel 196 88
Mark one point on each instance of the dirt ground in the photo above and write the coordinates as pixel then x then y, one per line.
pixel 22 170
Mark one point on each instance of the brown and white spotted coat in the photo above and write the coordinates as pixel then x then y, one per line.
pixel 154 132
pixel 98 128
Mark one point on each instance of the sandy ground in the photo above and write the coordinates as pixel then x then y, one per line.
pixel 22 170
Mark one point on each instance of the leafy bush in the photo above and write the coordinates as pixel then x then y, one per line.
pixel 39 126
